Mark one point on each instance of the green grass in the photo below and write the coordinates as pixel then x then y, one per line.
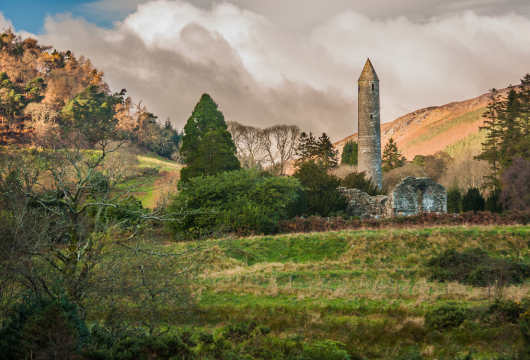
pixel 435 129
pixel 155 161
pixel 367 289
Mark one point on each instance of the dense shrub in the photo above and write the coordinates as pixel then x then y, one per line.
pixel 51 328
pixel 473 201
pixel 325 350
pixel 509 311
pixel 493 202
pixel 358 180
pixel 454 200
pixel 476 267
pixel 319 224
pixel 243 201
pixel 140 348
pixel 321 189
pixel 445 317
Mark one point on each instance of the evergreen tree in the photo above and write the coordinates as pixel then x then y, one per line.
pixel 307 145
pixel 350 153
pixel 326 153
pixel 321 189
pixel 473 201
pixel 391 157
pixel 207 146
pixel 454 200
pixel 492 202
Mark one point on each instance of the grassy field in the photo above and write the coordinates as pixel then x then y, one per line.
pixel 369 290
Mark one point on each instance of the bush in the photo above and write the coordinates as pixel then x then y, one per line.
pixel 493 202
pixel 473 201
pixel 454 200
pixel 509 311
pixel 349 153
pixel 476 267
pixel 140 348
pixel 242 201
pixel 43 327
pixel 445 317
pixel 321 189
pixel 325 350
pixel 358 180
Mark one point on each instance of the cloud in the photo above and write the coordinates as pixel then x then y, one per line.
pixel 167 53
pixel 5 23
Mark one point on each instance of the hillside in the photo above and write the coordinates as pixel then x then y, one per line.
pixel 370 290
pixel 432 129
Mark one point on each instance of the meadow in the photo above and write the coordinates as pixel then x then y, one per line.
pixel 369 290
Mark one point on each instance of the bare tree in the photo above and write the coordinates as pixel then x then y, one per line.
pixel 465 171
pixel 70 217
pixel 280 143
pixel 250 150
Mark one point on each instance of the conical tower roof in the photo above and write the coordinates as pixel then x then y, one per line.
pixel 368 72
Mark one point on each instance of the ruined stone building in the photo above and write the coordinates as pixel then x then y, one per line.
pixel 369 157
pixel 410 197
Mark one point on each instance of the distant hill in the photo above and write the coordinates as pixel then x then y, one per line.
pixel 448 127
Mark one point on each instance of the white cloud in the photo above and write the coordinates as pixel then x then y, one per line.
pixel 5 23
pixel 168 53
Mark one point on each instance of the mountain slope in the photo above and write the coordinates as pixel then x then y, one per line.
pixel 432 129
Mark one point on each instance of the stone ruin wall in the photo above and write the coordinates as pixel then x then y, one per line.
pixel 410 197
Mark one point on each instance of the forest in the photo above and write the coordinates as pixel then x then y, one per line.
pixel 122 237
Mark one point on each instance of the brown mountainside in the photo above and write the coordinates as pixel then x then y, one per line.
pixel 432 129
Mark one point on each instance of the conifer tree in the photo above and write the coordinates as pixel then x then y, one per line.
pixel 306 149
pixel 350 153
pixel 492 202
pixel 454 200
pixel 207 146
pixel 473 201
pixel 391 157
pixel 326 152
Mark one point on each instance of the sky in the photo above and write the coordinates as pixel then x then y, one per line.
pixel 288 61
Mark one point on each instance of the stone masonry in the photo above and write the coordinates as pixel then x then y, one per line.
pixel 416 195
pixel 410 197
pixel 369 159
pixel 363 205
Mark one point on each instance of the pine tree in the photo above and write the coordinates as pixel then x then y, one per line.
pixel 306 149
pixel 207 146
pixel 473 201
pixel 350 153
pixel 326 153
pixel 391 157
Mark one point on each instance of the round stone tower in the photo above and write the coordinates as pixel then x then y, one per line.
pixel 369 159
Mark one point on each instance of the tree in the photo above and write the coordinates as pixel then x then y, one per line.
pixel 358 180
pixel 515 193
pixel 391 157
pixel 322 193
pixel 206 124
pixel 493 201
pixel 454 200
pixel 436 165
pixel 326 153
pixel 285 139
pixel 473 201
pixel 306 149
pixel 350 153
pixel 247 139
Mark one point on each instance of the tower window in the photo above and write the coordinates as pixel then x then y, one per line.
pixel 373 86
pixel 371 116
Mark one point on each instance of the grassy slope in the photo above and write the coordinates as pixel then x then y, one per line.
pixel 367 289
pixel 149 192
